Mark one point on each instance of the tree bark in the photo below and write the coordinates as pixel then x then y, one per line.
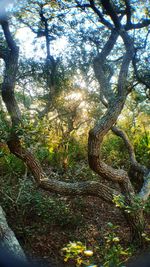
pixel 8 239
pixel 137 226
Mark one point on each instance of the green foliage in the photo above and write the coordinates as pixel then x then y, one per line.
pixel 54 211
pixel 21 199
pixel 4 127
pixel 78 253
pixel 147 206
pixel 43 154
pixel 10 164
pixel 137 204
pixel 142 147
pixel 112 252
pixel 70 151
pixel 114 152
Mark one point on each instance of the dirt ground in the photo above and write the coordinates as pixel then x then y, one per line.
pixel 96 213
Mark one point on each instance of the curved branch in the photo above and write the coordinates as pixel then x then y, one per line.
pixel 9 39
pixel 127 58
pixel 48 107
pixel 140 25
pixel 114 109
pixel 106 122
pixel 95 141
pixel 128 12
pixel 11 67
pixel 100 68
pixel 107 4
pixel 89 188
pixel 100 15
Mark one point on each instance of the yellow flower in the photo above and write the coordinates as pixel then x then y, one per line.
pixel 73 244
pixel 88 253
pixel 64 249
pixel 79 261
pixel 115 239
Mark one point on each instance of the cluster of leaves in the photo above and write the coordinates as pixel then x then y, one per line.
pixel 22 200
pixel 4 127
pixel 111 252
pixel 111 152
pixel 78 253
pixel 137 204
pixel 9 164
pixel 142 147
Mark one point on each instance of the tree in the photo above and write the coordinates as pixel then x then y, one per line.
pixel 117 19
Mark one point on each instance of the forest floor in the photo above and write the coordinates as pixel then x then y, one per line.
pixel 44 228
pixel 96 214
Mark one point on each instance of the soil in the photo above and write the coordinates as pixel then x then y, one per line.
pixel 96 213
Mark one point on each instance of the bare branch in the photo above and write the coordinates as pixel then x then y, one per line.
pixel 46 110
pixel 127 58
pixel 96 11
pixel 100 15
pixel 46 31
pixel 9 39
pixel 129 26
pixel 128 12
pixel 89 188
pixel 129 146
pixel 81 123
pixel 111 12
pixel 100 69
pixel 115 60
pixel 28 25
pixel 144 23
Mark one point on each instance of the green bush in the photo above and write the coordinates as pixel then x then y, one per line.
pixel 11 165
pixel 142 148
pixel 114 152
pixel 112 252
pixel 28 204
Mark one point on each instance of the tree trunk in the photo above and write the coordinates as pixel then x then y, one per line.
pixel 136 222
pixel 8 239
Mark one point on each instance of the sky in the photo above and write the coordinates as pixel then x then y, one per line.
pixel 28 49
pixel 5 4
